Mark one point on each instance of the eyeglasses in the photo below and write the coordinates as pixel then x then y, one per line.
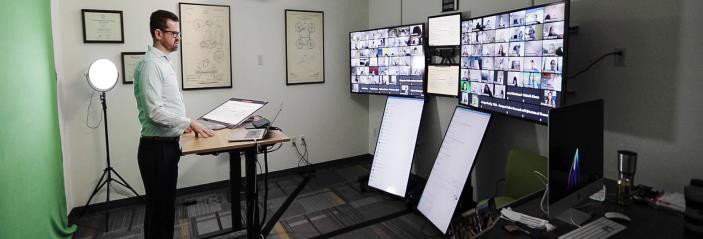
pixel 174 33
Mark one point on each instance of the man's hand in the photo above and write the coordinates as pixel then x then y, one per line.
pixel 200 130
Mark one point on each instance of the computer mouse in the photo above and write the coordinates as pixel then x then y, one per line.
pixel 617 216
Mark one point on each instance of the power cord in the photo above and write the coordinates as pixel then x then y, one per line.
pixel 619 53
pixel 87 113
pixel 545 181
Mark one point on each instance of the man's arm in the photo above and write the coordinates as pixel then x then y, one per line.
pixel 151 90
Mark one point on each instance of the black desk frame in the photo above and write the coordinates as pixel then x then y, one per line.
pixel 252 195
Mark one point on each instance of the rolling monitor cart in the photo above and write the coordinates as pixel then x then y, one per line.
pixel 395 147
pixel 453 165
pixel 575 158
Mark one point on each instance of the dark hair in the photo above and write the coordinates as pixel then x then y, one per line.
pixel 158 20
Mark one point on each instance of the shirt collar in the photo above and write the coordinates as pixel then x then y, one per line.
pixel 158 53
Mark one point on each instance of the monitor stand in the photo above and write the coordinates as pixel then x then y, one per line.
pixel 573 216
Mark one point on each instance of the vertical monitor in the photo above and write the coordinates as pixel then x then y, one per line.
pixel 444 30
pixel 396 145
pixel 514 62
pixel 452 167
pixel 388 61
pixel 575 154
pixel 443 80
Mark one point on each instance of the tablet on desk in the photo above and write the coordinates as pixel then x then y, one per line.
pixel 233 112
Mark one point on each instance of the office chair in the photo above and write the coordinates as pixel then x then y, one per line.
pixel 520 179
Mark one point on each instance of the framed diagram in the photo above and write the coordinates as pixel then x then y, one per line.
pixel 129 64
pixel 102 26
pixel 305 58
pixel 206 46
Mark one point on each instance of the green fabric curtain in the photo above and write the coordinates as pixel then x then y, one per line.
pixel 32 199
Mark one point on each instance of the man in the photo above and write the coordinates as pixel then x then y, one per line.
pixel 163 119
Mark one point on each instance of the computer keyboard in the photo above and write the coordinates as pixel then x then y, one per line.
pixel 600 228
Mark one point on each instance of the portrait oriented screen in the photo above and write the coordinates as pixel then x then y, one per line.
pixel 513 63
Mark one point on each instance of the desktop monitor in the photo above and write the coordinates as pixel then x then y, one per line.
pixel 395 146
pixel 388 61
pixel 575 158
pixel 518 61
pixel 452 166
pixel 444 30
pixel 443 80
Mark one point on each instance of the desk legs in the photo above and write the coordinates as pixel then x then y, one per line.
pixel 235 185
pixel 252 194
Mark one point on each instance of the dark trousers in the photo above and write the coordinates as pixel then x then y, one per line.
pixel 158 165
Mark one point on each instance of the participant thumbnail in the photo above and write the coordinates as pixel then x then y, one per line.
pixel 515 63
pixel 517 18
pixel 499 91
pixel 475 62
pixel 533 32
pixel 552 64
pixel 416 30
pixel 517 49
pixel 502 21
pixel 465 74
pixel 502 49
pixel 465 86
pixel 487 36
pixel 486 76
pixel 533 48
pixel 488 49
pixel 551 81
pixel 550 98
pixel 476 24
pixel 464 98
pixel 534 16
pixel 466 50
pixel 553 13
pixel 554 30
pixel 531 80
pixel 501 63
pixel 487 63
pixel 475 75
pixel 489 23
pixel 532 64
pixel 465 62
pixel 503 35
pixel 553 47
pixel 515 79
pixel 473 38
pixel 465 26
pixel 465 38
pixel 517 33
pixel 500 77
pixel 475 50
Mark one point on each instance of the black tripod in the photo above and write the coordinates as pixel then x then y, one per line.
pixel 107 171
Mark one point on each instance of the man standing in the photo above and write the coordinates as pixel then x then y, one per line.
pixel 163 118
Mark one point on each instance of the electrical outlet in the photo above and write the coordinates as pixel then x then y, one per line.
pixel 294 140
pixel 619 60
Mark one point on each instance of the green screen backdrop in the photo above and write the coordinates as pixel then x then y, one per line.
pixel 32 199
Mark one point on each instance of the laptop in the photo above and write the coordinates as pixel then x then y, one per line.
pixel 244 134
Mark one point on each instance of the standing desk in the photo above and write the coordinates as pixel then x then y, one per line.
pixel 220 144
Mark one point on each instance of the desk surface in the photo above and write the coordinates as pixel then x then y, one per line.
pixel 647 222
pixel 220 142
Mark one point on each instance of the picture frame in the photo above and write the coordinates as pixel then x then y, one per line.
pixel 102 26
pixel 305 51
pixel 206 59
pixel 129 64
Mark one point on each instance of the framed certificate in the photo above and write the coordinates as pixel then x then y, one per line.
pixel 102 26
pixel 305 51
pixel 129 63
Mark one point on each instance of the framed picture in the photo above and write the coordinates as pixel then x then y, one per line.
pixel 102 26
pixel 305 47
pixel 129 63
pixel 205 48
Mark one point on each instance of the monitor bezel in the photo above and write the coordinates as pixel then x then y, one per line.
pixel 473 165
pixel 424 54
pixel 564 73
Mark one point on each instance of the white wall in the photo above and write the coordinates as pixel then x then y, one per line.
pixel 325 113
pixel 652 105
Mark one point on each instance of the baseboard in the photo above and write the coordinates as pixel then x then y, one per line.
pixel 102 206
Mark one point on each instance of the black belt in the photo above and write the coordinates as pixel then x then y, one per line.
pixel 161 139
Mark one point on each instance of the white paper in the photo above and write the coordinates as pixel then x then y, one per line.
pixel 445 31
pixel 233 112
pixel 443 80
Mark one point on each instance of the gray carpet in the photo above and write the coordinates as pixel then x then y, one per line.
pixel 330 201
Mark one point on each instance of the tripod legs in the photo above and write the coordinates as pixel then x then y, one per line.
pixel 106 181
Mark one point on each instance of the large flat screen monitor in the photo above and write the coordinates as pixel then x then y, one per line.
pixel 388 61
pixel 443 80
pixel 395 147
pixel 514 62
pixel 575 157
pixel 444 30
pixel 452 166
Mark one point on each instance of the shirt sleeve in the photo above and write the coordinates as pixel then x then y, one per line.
pixel 152 91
